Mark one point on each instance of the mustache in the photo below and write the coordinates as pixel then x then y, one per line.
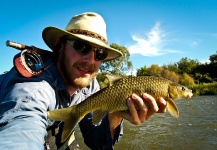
pixel 86 65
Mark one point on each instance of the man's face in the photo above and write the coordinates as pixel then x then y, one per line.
pixel 78 70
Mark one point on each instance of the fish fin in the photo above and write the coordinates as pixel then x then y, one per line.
pixel 68 127
pixel 60 114
pixel 113 78
pixel 68 115
pixel 172 108
pixel 98 115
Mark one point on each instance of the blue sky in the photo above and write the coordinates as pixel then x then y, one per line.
pixel 154 31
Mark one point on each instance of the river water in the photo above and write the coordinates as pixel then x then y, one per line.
pixel 196 128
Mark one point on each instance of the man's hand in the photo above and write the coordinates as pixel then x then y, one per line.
pixel 146 107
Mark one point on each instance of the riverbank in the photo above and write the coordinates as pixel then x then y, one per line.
pixel 204 89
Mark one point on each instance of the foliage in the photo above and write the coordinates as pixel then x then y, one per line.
pixel 155 70
pixel 172 67
pixel 119 66
pixel 186 65
pixel 186 80
pixel 206 73
pixel 213 58
pixel 170 75
pixel 204 89
pixel 203 78
pixel 101 78
pixel 143 71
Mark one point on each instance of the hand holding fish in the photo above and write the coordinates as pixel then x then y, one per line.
pixel 134 115
pixel 147 106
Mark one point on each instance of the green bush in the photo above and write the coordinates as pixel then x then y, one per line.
pixel 186 80
pixel 205 89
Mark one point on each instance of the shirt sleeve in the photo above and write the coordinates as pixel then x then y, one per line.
pixel 23 115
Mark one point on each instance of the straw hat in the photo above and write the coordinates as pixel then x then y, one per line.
pixel 89 27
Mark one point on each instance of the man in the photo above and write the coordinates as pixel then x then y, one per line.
pixel 68 79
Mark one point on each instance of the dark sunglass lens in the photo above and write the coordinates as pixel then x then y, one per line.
pixel 101 54
pixel 81 47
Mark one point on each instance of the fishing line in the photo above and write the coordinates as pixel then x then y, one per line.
pixel 204 111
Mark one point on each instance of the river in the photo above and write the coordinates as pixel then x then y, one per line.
pixel 196 128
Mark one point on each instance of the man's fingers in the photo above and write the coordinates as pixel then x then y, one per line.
pixel 152 105
pixel 133 112
pixel 162 104
pixel 143 109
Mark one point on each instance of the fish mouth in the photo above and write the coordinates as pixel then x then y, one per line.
pixel 189 95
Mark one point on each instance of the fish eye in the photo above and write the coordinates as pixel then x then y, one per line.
pixel 183 88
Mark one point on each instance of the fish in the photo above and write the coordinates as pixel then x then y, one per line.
pixel 114 98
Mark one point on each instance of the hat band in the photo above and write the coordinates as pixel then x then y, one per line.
pixel 89 33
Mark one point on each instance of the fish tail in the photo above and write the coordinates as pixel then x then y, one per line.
pixel 68 115
pixel 59 114
pixel 68 128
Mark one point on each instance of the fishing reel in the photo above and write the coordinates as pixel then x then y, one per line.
pixel 29 61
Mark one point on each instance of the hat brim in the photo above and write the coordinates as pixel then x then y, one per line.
pixel 52 34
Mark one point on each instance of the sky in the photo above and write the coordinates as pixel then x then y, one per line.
pixel 158 32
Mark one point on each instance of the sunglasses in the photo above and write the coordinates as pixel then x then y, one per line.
pixel 84 48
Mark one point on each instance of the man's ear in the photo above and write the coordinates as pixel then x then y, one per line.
pixel 61 48
pixel 56 52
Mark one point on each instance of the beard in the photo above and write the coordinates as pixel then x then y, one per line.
pixel 72 78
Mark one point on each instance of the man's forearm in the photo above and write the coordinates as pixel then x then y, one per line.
pixel 114 122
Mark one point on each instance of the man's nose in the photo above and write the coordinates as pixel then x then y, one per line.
pixel 90 57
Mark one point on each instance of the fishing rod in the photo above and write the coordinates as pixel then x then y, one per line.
pixel 29 62
pixel 21 47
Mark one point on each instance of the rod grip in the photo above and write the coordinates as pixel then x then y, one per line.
pixel 22 47
pixel 17 45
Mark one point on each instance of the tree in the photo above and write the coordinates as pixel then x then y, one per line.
pixel 186 80
pixel 186 65
pixel 172 67
pixel 143 71
pixel 155 70
pixel 101 78
pixel 170 75
pixel 213 58
pixel 212 67
pixel 203 78
pixel 121 65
